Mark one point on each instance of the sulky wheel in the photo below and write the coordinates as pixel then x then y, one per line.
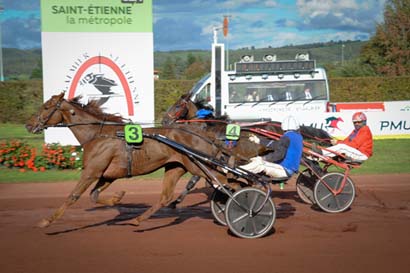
pixel 304 187
pixel 218 204
pixel 242 216
pixel 330 202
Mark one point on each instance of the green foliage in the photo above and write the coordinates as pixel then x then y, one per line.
pixel 19 64
pixel 329 54
pixel 190 59
pixel 388 51
pixel 196 70
pixel 353 68
pixel 389 156
pixel 168 70
pixel 369 89
pixel 24 64
pixel 19 100
pixel 181 60
pixel 167 92
pixel 37 72
pixel 13 176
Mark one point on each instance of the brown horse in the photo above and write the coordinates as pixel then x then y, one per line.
pixel 184 111
pixel 108 157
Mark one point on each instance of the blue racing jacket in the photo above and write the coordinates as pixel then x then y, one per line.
pixel 287 151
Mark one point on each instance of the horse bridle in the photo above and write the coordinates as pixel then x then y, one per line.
pixel 42 122
pixel 177 115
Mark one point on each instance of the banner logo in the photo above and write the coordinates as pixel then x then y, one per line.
pixel 332 123
pixel 101 78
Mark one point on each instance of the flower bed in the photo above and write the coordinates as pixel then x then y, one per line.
pixel 17 154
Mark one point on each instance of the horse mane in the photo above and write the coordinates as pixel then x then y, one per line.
pixel 201 104
pixel 94 108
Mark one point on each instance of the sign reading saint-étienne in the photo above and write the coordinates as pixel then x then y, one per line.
pixel 99 50
pixel 96 16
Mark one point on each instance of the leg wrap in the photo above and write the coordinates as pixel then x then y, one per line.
pixel 74 197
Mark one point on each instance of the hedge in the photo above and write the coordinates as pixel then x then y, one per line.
pixel 20 99
pixel 369 89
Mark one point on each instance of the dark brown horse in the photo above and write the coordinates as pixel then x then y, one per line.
pixel 108 157
pixel 184 111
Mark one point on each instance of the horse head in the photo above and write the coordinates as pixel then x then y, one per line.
pixel 48 114
pixel 183 108
pixel 85 120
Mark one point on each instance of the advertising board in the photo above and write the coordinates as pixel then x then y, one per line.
pixel 99 50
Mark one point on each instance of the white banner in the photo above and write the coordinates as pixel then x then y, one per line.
pixel 101 51
pixel 394 122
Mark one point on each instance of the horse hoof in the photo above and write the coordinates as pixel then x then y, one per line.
pixel 43 223
pixel 118 196
pixel 136 222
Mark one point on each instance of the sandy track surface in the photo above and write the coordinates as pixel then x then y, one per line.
pixel 373 236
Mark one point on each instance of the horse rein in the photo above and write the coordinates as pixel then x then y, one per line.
pixel 42 122
pixel 179 113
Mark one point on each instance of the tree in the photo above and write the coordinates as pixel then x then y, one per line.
pixel 168 70
pixel 196 70
pixel 388 51
pixel 190 59
pixel 37 73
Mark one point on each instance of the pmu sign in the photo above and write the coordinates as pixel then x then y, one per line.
pixel 99 50
pixel 389 125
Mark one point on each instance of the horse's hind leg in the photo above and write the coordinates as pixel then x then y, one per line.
pixel 171 177
pixel 189 186
pixel 101 186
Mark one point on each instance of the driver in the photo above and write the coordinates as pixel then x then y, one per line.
pixel 358 146
pixel 286 155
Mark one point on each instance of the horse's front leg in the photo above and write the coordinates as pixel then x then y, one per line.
pixel 101 186
pixel 171 177
pixel 85 181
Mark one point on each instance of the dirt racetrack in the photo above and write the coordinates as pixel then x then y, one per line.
pixel 373 236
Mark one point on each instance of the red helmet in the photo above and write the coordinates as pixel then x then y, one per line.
pixel 359 116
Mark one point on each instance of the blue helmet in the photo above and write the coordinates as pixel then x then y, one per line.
pixel 203 113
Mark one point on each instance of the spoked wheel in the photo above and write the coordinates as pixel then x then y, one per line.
pixel 218 204
pixel 330 202
pixel 304 187
pixel 243 217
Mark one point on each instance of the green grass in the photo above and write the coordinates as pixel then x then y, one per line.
pixel 390 156
pixel 18 131
pixel 15 176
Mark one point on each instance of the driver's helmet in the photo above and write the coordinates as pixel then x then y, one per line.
pixel 290 123
pixel 208 106
pixel 359 116
pixel 203 113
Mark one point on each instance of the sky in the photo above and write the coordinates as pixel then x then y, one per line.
pixel 188 24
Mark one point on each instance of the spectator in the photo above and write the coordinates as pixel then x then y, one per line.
pixel 252 96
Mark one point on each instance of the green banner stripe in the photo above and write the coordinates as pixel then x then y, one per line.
pixel 95 16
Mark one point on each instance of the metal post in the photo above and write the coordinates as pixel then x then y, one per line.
pixel 227 54
pixel 227 42
pixel 343 54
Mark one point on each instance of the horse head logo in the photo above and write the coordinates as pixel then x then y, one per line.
pixel 332 122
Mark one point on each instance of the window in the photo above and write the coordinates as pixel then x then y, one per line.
pixel 277 91
pixel 204 94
